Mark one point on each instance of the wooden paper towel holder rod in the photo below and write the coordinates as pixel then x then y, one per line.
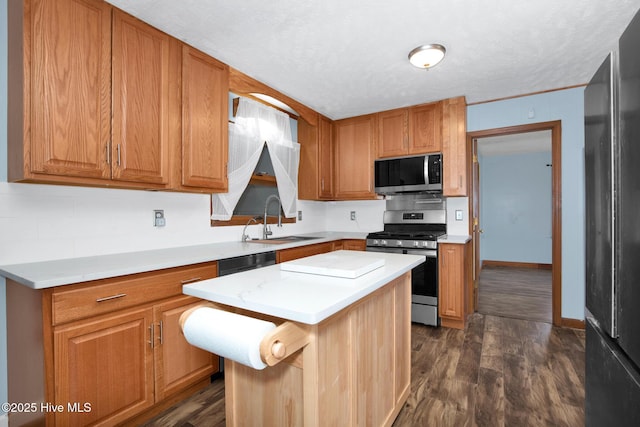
pixel 282 342
pixel 276 345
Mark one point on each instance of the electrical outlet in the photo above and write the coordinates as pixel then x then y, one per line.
pixel 299 215
pixel 459 215
pixel 158 218
pixel 353 215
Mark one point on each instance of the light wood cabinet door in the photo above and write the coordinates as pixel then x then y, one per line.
pixel 315 178
pixel 106 362
pixel 354 244
pixel 205 114
pixel 452 280
pixel 325 158
pixel 303 251
pixel 454 147
pixel 393 136
pixel 140 147
pixel 354 146
pixel 425 128
pixel 178 364
pixel 70 89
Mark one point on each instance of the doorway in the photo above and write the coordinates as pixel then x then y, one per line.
pixel 554 129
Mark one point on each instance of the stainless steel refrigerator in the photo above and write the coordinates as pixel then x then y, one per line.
pixel 612 179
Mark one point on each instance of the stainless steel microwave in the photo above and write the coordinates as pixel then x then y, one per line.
pixel 409 174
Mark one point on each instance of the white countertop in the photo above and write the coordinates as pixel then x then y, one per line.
pixel 453 238
pixel 46 274
pixel 301 297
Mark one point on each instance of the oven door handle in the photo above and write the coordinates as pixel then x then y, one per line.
pixel 387 250
pixel 427 253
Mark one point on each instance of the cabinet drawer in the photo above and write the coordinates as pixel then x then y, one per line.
pixel 87 299
pixel 303 251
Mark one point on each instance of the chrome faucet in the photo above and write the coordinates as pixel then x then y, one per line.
pixel 245 236
pixel 266 232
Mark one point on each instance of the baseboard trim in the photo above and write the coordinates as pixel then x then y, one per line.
pixel 572 323
pixel 490 263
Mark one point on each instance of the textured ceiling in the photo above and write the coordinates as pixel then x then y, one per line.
pixel 349 57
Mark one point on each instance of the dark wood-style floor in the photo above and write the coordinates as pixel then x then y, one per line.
pixel 520 293
pixel 498 372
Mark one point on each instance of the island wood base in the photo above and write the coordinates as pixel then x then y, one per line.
pixel 355 370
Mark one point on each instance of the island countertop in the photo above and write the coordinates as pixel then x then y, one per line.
pixel 302 297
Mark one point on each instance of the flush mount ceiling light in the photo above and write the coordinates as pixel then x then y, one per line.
pixel 427 56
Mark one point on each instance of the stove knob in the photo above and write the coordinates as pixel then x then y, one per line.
pixel 416 243
pixel 376 242
pixel 383 242
pixel 398 242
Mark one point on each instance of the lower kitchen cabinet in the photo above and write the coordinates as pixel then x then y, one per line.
pixel 453 280
pixel 350 245
pixel 303 251
pixel 177 363
pixel 107 363
pixel 320 248
pixel 124 363
pixel 111 347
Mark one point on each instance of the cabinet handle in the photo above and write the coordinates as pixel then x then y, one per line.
pixel 322 184
pixel 460 179
pixel 161 332
pixel 151 335
pixel 193 279
pixel 118 152
pixel 107 153
pixel 109 298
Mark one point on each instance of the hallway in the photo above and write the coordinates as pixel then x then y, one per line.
pixel 518 293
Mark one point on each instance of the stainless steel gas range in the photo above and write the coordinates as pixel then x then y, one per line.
pixel 412 225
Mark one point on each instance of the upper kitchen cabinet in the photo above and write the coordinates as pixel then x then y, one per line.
pixel 205 114
pixel 354 152
pixel 393 136
pixel 315 177
pixel 455 154
pixel 325 154
pixel 60 94
pixel 425 128
pixel 406 131
pixel 141 135
pixel 88 96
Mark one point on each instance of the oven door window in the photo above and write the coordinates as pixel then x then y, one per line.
pixel 424 278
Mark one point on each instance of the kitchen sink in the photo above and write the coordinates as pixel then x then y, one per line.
pixel 282 240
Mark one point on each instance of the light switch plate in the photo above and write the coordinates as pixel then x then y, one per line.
pixel 459 215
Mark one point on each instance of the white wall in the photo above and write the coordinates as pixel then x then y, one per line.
pixel 43 222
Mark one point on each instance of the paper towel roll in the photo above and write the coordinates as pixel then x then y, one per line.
pixel 226 334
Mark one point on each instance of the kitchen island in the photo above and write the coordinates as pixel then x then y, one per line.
pixel 353 367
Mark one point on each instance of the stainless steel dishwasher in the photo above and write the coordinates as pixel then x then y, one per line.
pixel 245 262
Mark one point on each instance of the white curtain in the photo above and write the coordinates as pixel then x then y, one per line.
pixel 285 160
pixel 256 124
